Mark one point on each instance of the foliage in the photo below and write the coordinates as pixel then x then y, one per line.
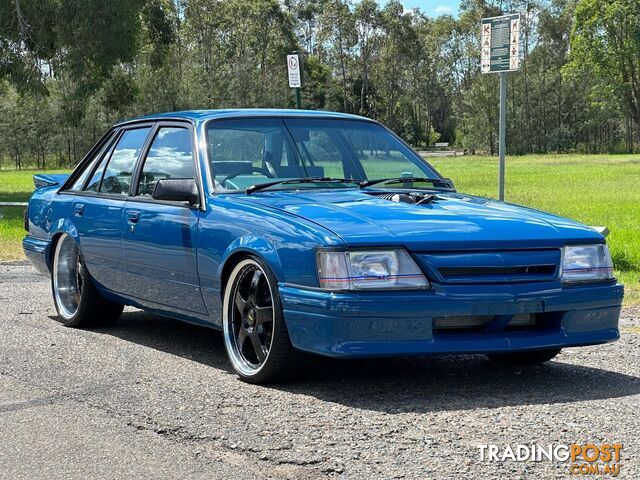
pixel 605 43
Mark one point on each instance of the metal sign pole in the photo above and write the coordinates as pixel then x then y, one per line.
pixel 298 99
pixel 502 130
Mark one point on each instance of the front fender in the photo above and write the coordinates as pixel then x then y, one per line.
pixel 254 245
pixel 230 228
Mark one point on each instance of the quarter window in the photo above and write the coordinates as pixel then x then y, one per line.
pixel 170 156
pixel 94 184
pixel 117 176
pixel 90 166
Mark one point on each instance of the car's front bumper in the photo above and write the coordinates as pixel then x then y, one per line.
pixel 401 323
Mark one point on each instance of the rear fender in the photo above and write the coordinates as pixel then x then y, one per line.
pixel 60 227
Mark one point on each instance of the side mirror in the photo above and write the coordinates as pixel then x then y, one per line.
pixel 177 190
pixel 450 183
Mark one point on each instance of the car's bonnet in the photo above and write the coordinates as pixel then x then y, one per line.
pixel 453 221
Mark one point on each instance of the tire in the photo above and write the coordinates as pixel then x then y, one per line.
pixel 524 358
pixel 77 301
pixel 254 330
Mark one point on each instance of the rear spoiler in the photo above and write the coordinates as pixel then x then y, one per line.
pixel 41 180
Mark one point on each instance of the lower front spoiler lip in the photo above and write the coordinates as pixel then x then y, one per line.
pixel 445 344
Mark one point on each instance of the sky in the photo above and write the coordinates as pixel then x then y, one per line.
pixel 433 8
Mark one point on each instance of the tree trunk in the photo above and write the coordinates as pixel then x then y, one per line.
pixel 363 87
pixel 68 149
pixel 344 73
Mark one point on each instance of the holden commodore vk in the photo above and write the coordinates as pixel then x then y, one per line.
pixel 302 231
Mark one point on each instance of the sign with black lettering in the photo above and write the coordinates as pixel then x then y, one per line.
pixel 500 44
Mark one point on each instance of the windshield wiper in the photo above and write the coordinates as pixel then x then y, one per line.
pixel 262 186
pixel 435 181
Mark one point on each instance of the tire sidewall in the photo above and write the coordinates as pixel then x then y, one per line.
pixel 278 318
pixel 74 320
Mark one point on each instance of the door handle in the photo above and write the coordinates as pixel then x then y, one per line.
pixel 133 216
pixel 78 209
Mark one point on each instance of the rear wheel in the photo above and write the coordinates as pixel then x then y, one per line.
pixel 77 301
pixel 255 334
pixel 524 358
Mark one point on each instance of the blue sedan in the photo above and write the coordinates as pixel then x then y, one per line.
pixel 300 232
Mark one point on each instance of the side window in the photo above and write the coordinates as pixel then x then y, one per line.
pixel 94 184
pixel 117 176
pixel 89 167
pixel 170 156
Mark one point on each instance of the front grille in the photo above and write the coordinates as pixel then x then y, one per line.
pixel 489 271
pixel 479 322
pixel 491 266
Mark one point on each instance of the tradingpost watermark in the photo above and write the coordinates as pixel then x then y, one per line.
pixel 583 459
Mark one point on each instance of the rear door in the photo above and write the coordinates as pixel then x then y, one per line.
pixel 159 237
pixel 98 207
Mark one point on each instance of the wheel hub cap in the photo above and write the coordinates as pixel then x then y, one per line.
pixel 251 317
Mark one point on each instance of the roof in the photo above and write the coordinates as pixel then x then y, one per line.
pixel 202 115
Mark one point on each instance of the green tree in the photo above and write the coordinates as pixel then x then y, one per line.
pixel 367 24
pixel 338 36
pixel 605 42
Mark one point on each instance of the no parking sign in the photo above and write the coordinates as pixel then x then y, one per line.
pixel 293 66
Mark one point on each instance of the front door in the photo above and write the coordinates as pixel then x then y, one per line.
pixel 159 238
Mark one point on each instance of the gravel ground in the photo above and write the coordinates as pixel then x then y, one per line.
pixel 154 398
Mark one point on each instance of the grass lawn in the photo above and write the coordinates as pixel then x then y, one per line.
pixel 14 187
pixel 593 189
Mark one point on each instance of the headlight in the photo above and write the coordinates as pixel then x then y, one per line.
pixel 586 263
pixel 368 270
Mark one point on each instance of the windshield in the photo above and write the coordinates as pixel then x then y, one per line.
pixel 252 151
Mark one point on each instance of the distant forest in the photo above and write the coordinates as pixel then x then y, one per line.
pixel 70 68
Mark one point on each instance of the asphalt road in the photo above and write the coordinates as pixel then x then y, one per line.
pixel 154 398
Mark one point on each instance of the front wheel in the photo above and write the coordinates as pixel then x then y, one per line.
pixel 77 301
pixel 524 358
pixel 255 334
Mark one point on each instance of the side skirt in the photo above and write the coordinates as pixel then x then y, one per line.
pixel 162 310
